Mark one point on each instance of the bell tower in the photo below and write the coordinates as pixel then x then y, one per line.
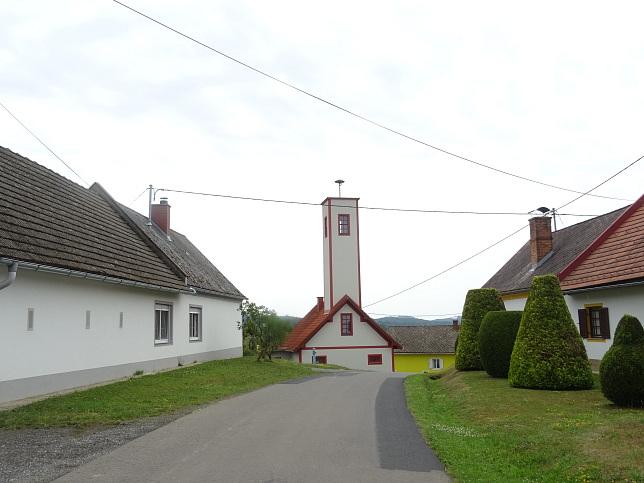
pixel 341 249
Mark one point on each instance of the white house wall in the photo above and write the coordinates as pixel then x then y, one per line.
pixel 60 352
pixel 619 301
pixel 347 350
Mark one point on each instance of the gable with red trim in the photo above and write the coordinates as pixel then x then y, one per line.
pixel 616 256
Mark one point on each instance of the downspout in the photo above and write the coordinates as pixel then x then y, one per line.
pixel 11 276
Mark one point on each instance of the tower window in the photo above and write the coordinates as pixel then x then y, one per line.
pixel 343 225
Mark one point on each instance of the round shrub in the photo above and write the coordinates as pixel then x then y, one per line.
pixel 549 352
pixel 621 371
pixel 478 302
pixel 497 334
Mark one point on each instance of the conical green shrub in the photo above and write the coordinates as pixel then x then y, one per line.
pixel 549 352
pixel 497 334
pixel 478 302
pixel 621 371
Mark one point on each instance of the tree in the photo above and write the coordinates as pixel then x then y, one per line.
pixel 621 371
pixel 478 302
pixel 263 330
pixel 549 352
pixel 497 334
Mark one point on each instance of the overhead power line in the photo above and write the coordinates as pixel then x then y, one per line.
pixel 47 147
pixel 306 203
pixel 347 111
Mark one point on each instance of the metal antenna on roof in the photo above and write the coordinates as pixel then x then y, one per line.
pixel 150 206
pixel 340 182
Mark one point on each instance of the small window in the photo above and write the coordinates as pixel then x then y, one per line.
pixel 320 359
pixel 343 225
pixel 346 322
pixel 326 227
pixel 195 323
pixel 375 359
pixel 593 322
pixel 162 323
pixel 436 363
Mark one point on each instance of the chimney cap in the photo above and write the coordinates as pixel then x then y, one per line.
pixel 163 201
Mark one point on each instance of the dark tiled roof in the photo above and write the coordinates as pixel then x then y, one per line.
pixel 46 219
pixel 426 339
pixel 317 317
pixel 516 275
pixel 616 257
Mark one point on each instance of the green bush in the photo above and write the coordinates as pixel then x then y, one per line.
pixel 497 334
pixel 621 371
pixel 549 352
pixel 478 302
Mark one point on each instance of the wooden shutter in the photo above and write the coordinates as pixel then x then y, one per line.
pixel 583 323
pixel 603 322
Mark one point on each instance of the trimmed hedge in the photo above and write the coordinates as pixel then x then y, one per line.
pixel 621 371
pixel 549 352
pixel 497 334
pixel 478 302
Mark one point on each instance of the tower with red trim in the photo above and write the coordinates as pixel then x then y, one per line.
pixel 341 250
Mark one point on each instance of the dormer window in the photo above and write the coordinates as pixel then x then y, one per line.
pixel 343 225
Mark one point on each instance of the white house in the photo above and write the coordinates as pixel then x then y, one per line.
pixel 91 291
pixel 600 266
pixel 337 330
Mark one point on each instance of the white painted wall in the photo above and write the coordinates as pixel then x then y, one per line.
pixel 619 301
pixel 61 348
pixel 347 350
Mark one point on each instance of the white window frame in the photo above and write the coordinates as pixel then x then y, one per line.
pixel 436 364
pixel 195 324
pixel 162 317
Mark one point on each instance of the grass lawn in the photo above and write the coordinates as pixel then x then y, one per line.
pixel 483 430
pixel 152 395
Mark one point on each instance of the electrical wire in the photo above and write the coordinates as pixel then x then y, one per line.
pixel 41 142
pixel 306 203
pixel 447 269
pixel 382 126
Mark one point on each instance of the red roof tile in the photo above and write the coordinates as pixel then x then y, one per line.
pixel 616 256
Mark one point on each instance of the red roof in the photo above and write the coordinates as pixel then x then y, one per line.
pixel 312 322
pixel 616 256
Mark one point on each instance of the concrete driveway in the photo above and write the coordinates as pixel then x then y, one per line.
pixel 335 427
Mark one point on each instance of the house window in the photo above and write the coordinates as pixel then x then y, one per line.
pixel 320 359
pixel 346 322
pixel 30 319
pixel 326 227
pixel 162 323
pixel 593 322
pixel 375 359
pixel 436 363
pixel 343 225
pixel 195 323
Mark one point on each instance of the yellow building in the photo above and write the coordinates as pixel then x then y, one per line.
pixel 426 348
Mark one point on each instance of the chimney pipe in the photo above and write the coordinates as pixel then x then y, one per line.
pixel 455 323
pixel 320 304
pixel 161 216
pixel 540 238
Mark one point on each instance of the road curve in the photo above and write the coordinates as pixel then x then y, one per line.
pixel 335 427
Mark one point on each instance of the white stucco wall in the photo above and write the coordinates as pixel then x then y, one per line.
pixel 349 350
pixel 619 301
pixel 60 352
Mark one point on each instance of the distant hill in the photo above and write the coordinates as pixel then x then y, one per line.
pixel 385 322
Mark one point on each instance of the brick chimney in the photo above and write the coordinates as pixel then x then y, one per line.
pixel 320 304
pixel 540 238
pixel 161 215
pixel 455 325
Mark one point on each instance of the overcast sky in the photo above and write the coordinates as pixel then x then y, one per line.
pixel 548 91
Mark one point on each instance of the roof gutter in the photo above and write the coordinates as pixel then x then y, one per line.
pixel 11 275
pixel 602 287
pixel 79 274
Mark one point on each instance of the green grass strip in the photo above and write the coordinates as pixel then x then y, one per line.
pixel 485 431
pixel 152 395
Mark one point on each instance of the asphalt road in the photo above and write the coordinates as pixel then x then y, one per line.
pixel 337 427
